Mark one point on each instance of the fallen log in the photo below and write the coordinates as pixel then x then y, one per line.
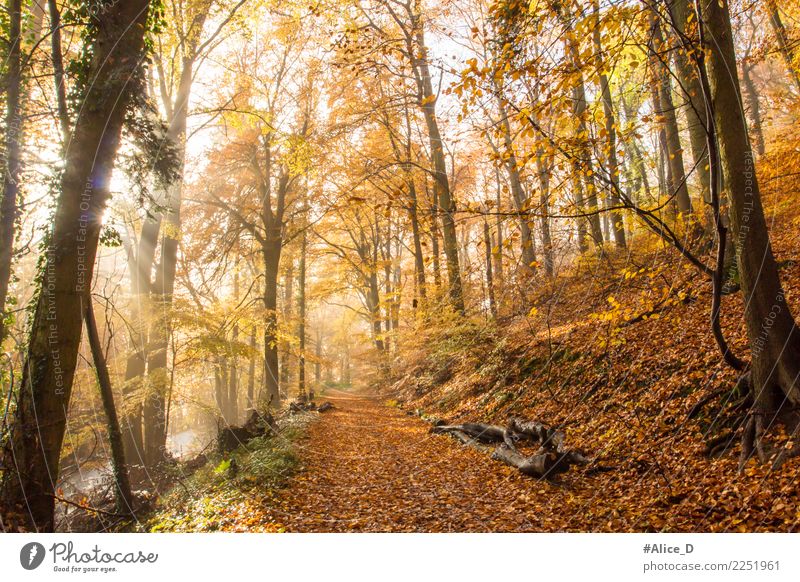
pixel 542 464
pixel 463 438
pixel 550 459
pixel 549 438
pixel 325 407
pixel 517 430
pixel 194 464
pixel 485 433
pixel 300 406
pixel 231 437
pixel 539 465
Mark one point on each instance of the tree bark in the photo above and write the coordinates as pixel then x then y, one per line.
pixel 617 218
pixel 388 283
pixel 373 306
pixel 773 336
pixel 665 110
pixel 582 168
pixel 544 203
pixel 58 69
pixel 155 401
pixel 271 253
pixel 689 85
pixel 13 139
pixel 518 195
pixel 787 52
pixel 487 243
pixel 157 387
pixel 233 384
pixel 221 387
pixel 301 325
pixel 437 271
pixel 44 396
pixel 133 390
pixel 441 185
pixel 419 257
pixel 754 109
pixel 498 256
pixel 251 373
pixel 318 362
pixel 288 316
pixel 634 153
pixel 124 497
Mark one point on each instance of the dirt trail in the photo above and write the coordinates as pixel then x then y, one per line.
pixel 369 467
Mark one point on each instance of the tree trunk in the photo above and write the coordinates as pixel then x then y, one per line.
pixel 582 162
pixel 584 174
pixel 782 38
pixel 48 373
pixel 617 219
pixel 437 272
pixel 154 410
pixel 386 259
pixel 419 258
pixel 753 107
pixel 346 375
pixel 271 253
pixel 498 256
pixel 124 497
pixel 634 153
pixel 157 387
pixel 251 372
pixel 373 306
pixel 577 188
pixel 301 325
pixel 133 389
pixel 773 336
pixel 663 171
pixel 58 69
pixel 665 110
pixel 13 139
pixel 518 195
pixel 318 362
pixel 397 284
pixel 441 186
pixel 544 202
pixel 693 94
pixel 233 385
pixel 221 388
pixel 288 316
pixel 487 243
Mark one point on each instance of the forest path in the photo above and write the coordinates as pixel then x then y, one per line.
pixel 366 466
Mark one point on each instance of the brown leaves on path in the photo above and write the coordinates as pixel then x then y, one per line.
pixel 369 467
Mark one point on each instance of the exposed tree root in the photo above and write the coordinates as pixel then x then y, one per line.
pixel 766 408
pixel 717 445
pixel 742 387
pixel 550 459
pixel 484 433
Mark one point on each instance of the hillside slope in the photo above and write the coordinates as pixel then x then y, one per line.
pixel 619 362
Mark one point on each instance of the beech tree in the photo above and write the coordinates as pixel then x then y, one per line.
pixel 113 67
pixel 771 329
pixel 191 40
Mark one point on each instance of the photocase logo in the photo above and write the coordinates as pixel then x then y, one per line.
pixel 31 555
